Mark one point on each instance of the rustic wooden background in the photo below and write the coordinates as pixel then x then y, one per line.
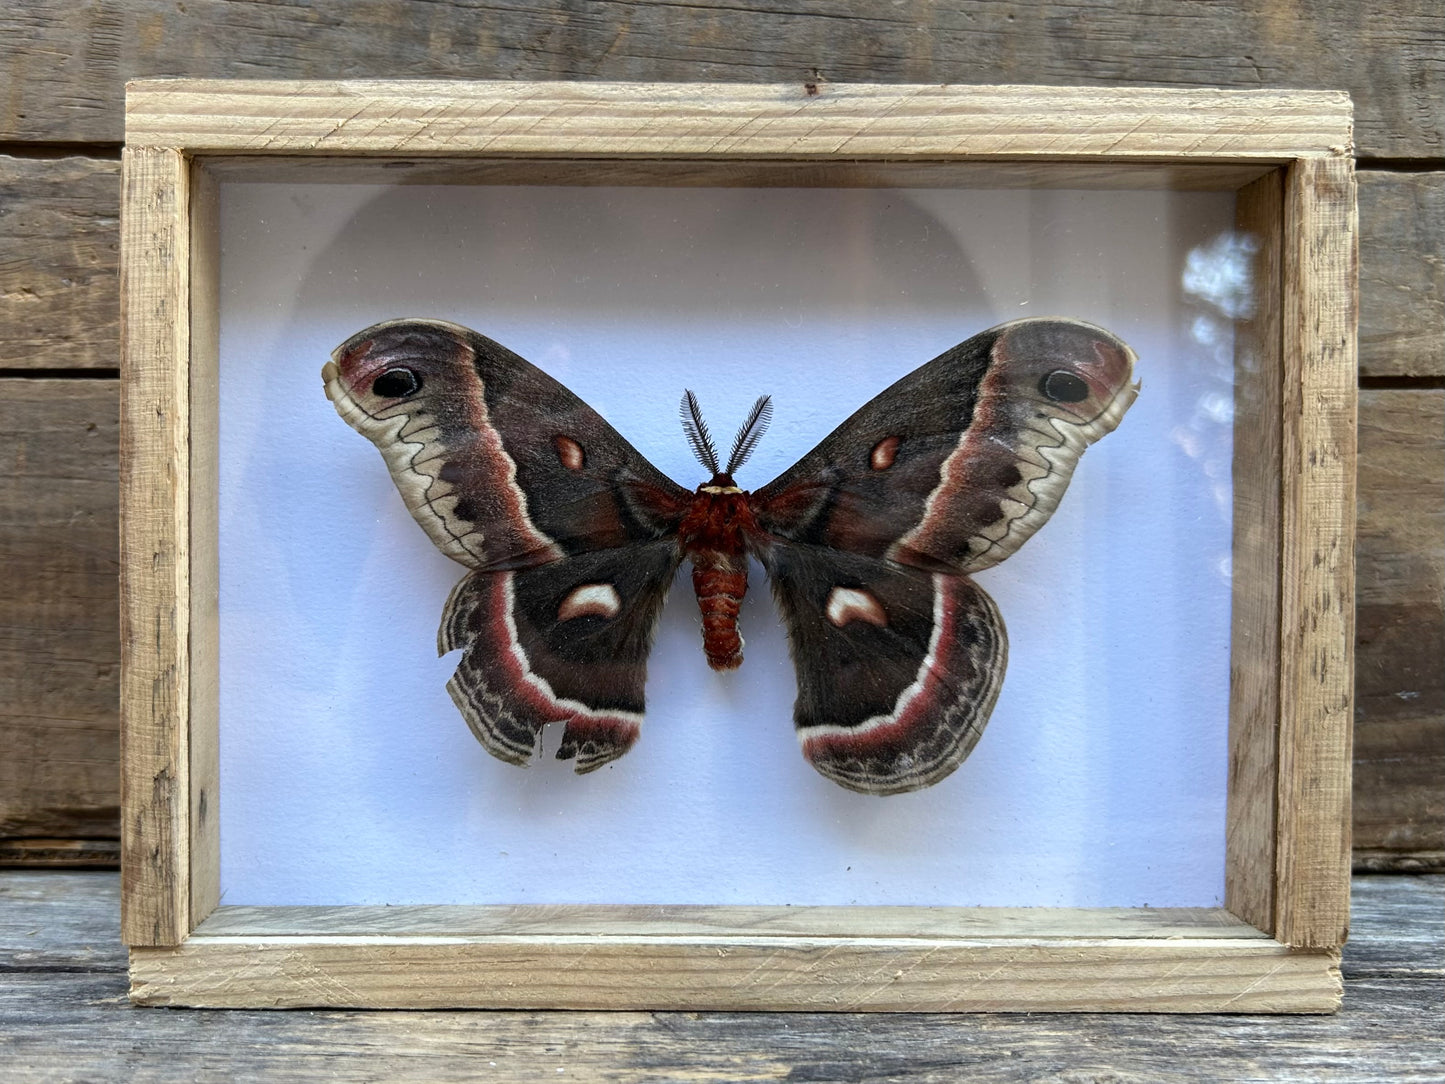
pixel 63 65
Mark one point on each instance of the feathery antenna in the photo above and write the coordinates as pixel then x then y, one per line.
pixel 751 432
pixel 697 434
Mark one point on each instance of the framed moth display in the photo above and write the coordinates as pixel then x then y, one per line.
pixel 1138 800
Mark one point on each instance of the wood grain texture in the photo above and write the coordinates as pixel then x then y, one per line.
pixel 754 923
pixel 758 173
pixel 64 1016
pixel 204 710
pixel 59 253
pixel 1399 808
pixel 85 1035
pixel 834 958
pixel 62 65
pixel 155 549
pixel 1255 599
pixel 59 921
pixel 39 852
pixel 1402 274
pixel 59 660
pixel 787 974
pixel 1317 555
pixel 722 120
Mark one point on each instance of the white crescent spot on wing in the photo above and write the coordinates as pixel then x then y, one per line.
pixel 591 599
pixel 918 688
pixel 569 453
pixel 847 604
pixel 538 684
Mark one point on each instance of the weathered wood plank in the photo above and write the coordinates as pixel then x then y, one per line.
pixel 1397 928
pixel 1249 873
pixel 62 65
pixel 1400 663
pixel 204 763
pixel 828 974
pixel 41 852
pixel 1317 554
pixel 698 921
pixel 155 549
pixel 60 922
pixel 721 120
pixel 72 1027
pixel 59 253
pixel 1193 176
pixel 65 1017
pixel 59 658
pixel 1402 274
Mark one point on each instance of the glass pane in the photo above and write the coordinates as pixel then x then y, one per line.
pixel 348 776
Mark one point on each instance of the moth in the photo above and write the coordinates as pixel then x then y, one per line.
pixel 870 541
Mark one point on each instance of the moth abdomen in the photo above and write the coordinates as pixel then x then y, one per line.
pixel 720 584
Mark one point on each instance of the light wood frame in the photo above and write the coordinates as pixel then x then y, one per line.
pixel 1275 945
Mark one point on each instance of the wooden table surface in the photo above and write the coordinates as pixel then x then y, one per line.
pixel 64 1016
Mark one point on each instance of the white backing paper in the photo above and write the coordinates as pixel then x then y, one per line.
pixel 347 776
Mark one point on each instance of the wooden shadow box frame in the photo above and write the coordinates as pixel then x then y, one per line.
pixel 1273 947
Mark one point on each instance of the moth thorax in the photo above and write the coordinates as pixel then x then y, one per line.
pixel 719 520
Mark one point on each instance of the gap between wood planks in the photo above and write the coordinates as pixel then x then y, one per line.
pixel 25 149
pixel 59 374
pixel 1401 383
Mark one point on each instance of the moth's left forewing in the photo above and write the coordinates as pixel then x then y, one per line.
pixel 1051 388
pixel 957 464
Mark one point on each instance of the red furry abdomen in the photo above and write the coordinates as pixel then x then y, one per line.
pixel 720 592
pixel 713 536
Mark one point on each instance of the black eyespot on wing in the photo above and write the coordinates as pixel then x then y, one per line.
pixel 1063 386
pixel 396 384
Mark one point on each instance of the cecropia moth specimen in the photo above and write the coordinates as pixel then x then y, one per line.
pixel 572 537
